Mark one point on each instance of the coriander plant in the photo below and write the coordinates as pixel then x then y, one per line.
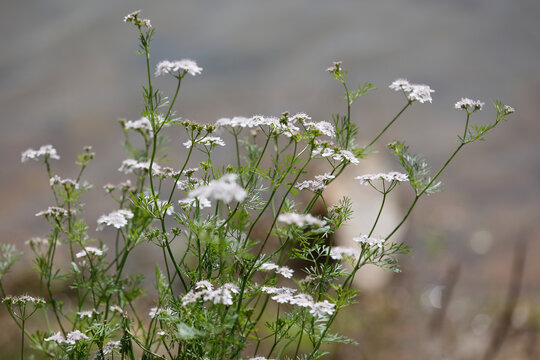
pixel 221 291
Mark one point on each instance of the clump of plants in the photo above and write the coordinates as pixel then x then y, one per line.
pixel 221 292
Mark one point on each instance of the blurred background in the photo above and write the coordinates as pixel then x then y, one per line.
pixel 470 289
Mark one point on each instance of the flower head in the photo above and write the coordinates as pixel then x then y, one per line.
pixel 389 177
pixel 300 219
pixel 414 92
pixel 364 239
pixel 89 250
pixel 118 219
pixel 46 151
pixel 174 67
pixel 468 104
pixel 225 189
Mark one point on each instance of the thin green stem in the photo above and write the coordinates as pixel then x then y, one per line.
pixel 389 124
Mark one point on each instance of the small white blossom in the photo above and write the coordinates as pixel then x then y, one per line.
pixel 206 141
pixel 239 121
pixel 23 300
pixel 47 151
pixel 225 189
pixel 364 239
pixel 322 308
pixel 172 67
pixel 203 202
pixel 414 92
pixel 326 149
pixel 89 250
pixel 56 337
pixel 116 308
pixel 466 104
pixel 110 347
pixel 87 313
pixel 338 252
pixel 142 124
pixel 155 312
pixel 129 165
pixel 314 185
pixel 282 270
pixel 55 180
pixel 132 16
pixel 300 219
pixel 303 300
pixel 118 219
pixel 390 177
pixel 324 127
pixel 75 336
pixel 54 211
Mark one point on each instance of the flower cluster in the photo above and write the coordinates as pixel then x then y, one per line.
pixel 414 92
pixel 134 18
pixel 68 183
pixel 364 239
pixel 118 219
pixel 55 212
pixel 300 219
pixel 468 104
pixel 328 150
pixel 71 338
pixel 339 252
pixel 287 295
pixel 23 300
pixel 282 270
pixel 206 141
pixel 205 290
pixel 130 165
pixel 225 189
pixel 143 124
pixel 89 250
pixel 173 67
pixel 389 177
pixel 47 151
pixel 319 183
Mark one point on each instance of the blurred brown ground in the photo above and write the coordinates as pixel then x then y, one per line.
pixel 68 72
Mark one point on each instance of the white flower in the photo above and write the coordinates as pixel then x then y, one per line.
pixel 55 180
pixel 172 67
pixel 47 151
pixel 75 336
pixel 205 290
pixel 326 149
pixel 314 185
pixel 303 300
pixel 54 211
pixel 56 337
pixel 322 126
pixel 466 104
pixel 23 299
pixel 206 141
pixel 390 177
pixel 300 219
pixel 224 189
pixel 132 16
pixel 116 308
pixel 259 358
pixel 87 313
pixel 239 121
pixel 364 239
pixel 118 219
pixel 110 347
pixel 414 92
pixel 322 308
pixel 203 202
pixel 155 312
pixel 129 165
pixel 282 270
pixel 89 250
pixel 142 124
pixel 338 252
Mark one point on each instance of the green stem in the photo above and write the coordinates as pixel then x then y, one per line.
pixel 389 124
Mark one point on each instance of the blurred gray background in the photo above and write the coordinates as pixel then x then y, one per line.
pixel 68 71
